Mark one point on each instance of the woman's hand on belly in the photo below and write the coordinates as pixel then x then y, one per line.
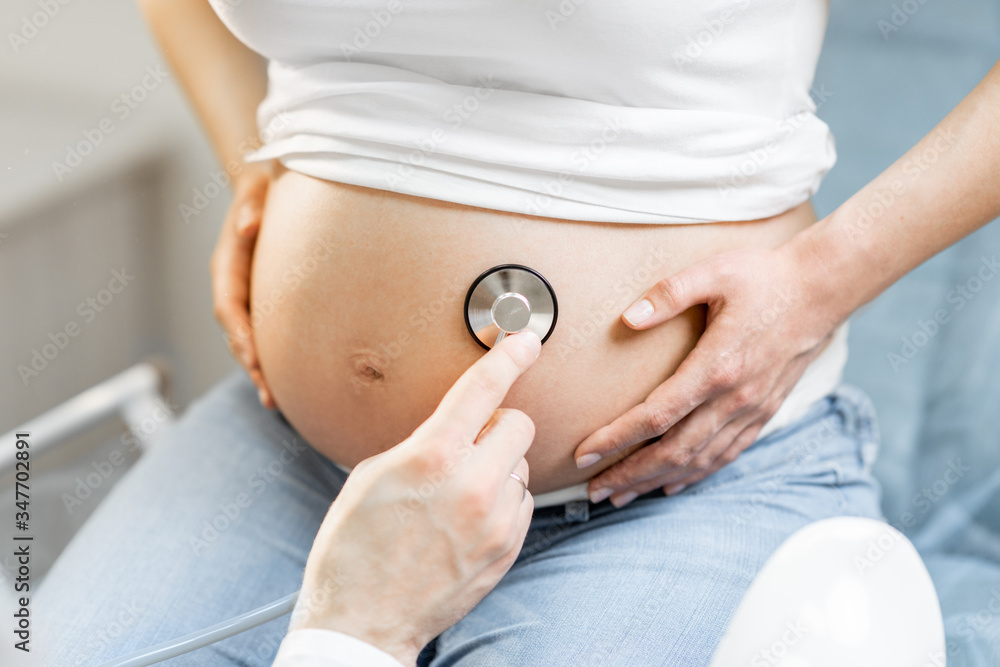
pixel 231 266
pixel 764 326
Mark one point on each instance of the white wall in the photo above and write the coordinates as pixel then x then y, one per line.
pixel 60 237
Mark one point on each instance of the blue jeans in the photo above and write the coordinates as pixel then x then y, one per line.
pixel 218 518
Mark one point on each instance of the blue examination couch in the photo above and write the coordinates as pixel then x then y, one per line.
pixel 891 71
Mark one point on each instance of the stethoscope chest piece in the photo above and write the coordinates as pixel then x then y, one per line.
pixel 507 299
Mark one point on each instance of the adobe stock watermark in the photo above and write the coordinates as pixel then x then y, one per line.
pixel 564 10
pixel 263 306
pixel 130 441
pixel 781 300
pixel 453 117
pixel 219 180
pixel 318 597
pixel 88 310
pixel 913 169
pixel 803 453
pixel 775 652
pixel 928 496
pixel 899 17
pixel 266 647
pixel 581 159
pixel 755 159
pixel 230 511
pixel 122 107
pixel 627 288
pixel 927 329
pixel 373 363
pixel 32 24
pixel 710 30
pixel 416 497
pixel 972 625
pixel 126 617
pixel 365 35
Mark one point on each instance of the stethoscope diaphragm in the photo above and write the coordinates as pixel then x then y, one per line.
pixel 509 298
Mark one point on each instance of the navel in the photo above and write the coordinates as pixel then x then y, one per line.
pixel 368 367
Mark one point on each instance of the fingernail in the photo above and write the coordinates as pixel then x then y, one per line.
pixel 588 460
pixel 674 490
pixel 600 494
pixel 262 395
pixel 639 311
pixel 531 340
pixel 624 499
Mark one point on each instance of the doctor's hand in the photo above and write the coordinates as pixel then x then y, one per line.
pixel 230 268
pixel 422 532
pixel 768 317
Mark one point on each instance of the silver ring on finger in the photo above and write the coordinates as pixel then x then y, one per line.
pixel 521 482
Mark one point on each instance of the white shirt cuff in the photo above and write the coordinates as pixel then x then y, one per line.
pixel 314 647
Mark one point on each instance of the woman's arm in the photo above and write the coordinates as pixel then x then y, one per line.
pixel 225 81
pixel 741 369
pixel 944 188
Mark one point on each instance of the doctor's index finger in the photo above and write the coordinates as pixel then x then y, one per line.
pixel 476 395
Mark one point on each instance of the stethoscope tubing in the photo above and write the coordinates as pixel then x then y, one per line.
pixel 201 638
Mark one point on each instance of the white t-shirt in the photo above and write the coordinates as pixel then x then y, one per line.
pixel 629 111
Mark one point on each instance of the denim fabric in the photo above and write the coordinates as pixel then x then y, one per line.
pixel 219 518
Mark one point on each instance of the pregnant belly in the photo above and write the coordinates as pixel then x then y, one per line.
pixel 358 295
